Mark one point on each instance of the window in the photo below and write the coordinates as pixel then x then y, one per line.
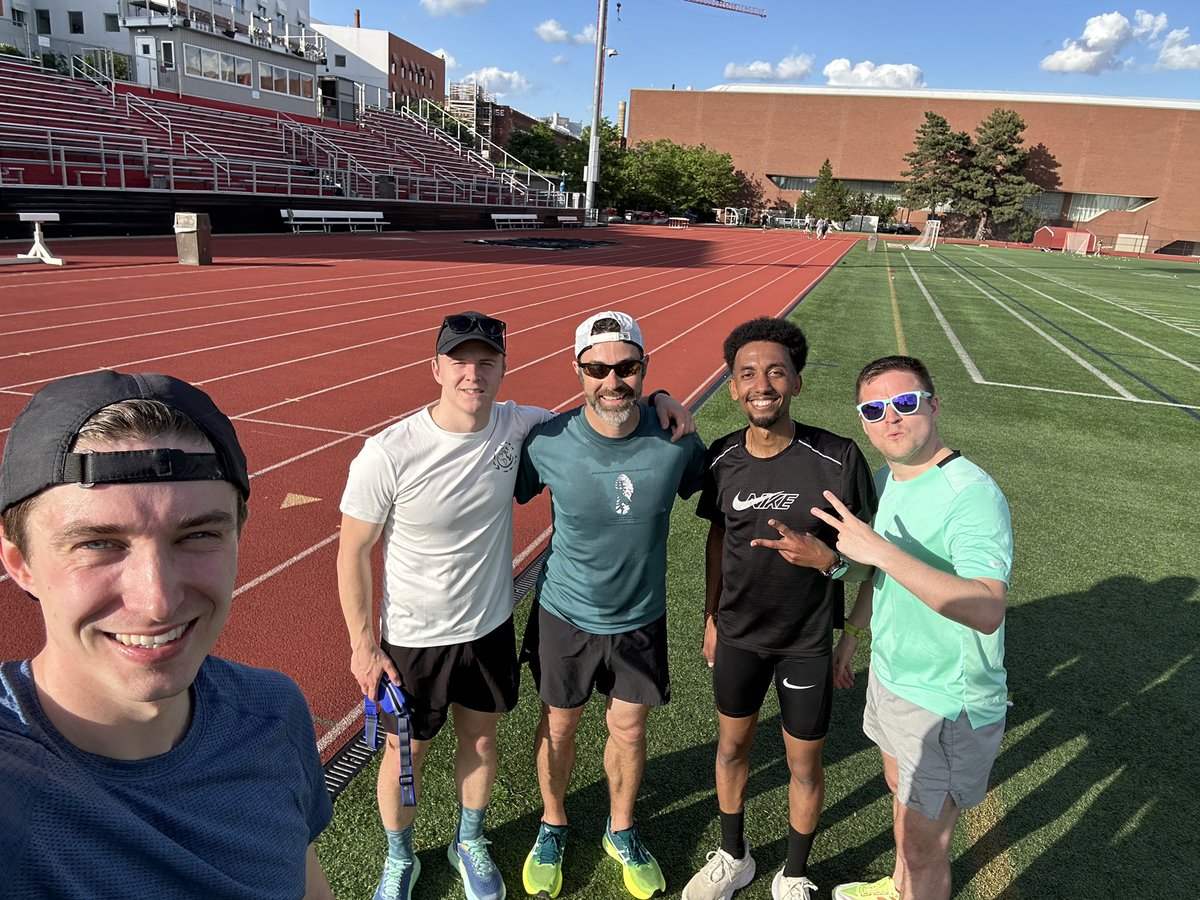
pixel 243 72
pixel 112 22
pixel 293 82
pixel 211 63
pixel 264 76
pixel 228 67
pixel 42 16
pixel 18 18
pixel 339 60
pixel 191 60
pixel 167 51
pixel 306 86
pixel 75 21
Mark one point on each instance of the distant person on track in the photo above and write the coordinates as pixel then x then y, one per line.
pixel 437 487
pixel 937 697
pixel 600 619
pixel 772 595
pixel 822 229
pixel 132 762
pixel 808 225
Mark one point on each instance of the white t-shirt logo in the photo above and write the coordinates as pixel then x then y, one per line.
pixel 624 488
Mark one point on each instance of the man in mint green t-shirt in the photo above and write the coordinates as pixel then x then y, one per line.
pixel 600 620
pixel 941 546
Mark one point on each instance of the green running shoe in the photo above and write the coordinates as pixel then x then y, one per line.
pixel 542 873
pixel 642 875
pixel 883 889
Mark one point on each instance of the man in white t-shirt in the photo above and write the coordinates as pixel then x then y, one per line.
pixel 437 487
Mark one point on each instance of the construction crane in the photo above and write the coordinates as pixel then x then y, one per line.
pixel 732 7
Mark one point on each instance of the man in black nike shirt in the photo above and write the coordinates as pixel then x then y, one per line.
pixel 772 594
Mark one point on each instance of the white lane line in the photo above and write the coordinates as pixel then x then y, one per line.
pixel 1067 351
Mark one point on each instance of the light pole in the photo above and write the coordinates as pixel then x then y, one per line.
pixel 592 175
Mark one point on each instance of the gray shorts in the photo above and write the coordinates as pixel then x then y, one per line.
pixel 934 756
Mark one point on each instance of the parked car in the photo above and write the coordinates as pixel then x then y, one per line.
pixel 897 228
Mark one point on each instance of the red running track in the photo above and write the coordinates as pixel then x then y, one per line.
pixel 312 342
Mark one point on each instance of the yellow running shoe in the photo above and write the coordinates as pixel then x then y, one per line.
pixel 642 875
pixel 883 889
pixel 542 874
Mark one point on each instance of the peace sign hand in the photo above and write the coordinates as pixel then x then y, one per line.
pixel 856 539
pixel 797 547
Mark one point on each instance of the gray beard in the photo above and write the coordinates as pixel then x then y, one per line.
pixel 616 418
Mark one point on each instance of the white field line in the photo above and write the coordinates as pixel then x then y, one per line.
pixel 519 275
pixel 964 357
pixel 444 271
pixel 1090 317
pixel 978 378
pixel 1087 293
pixel 1067 351
pixel 491 296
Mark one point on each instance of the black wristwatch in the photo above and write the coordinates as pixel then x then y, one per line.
pixel 839 568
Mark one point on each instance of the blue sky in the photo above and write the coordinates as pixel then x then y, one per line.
pixel 538 55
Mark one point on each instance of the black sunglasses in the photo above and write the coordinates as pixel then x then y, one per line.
pixel 484 325
pixel 626 368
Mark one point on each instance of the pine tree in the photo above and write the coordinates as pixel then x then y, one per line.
pixel 937 165
pixel 829 196
pixel 996 187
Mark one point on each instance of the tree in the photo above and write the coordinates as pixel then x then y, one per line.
pixel 995 187
pixel 884 207
pixel 829 199
pixel 537 148
pixel 575 157
pixel 937 165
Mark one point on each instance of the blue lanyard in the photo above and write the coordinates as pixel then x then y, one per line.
pixel 391 699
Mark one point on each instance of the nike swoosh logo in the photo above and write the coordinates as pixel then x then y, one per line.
pixel 797 687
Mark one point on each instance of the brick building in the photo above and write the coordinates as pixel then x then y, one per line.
pixel 1122 168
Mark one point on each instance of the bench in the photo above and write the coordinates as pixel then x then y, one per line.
pixel 324 219
pixel 678 222
pixel 569 222
pixel 515 220
pixel 100 174
pixel 39 252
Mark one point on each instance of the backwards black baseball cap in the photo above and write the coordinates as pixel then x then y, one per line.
pixel 38 453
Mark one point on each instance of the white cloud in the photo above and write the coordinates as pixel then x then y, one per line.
pixel 551 32
pixel 1177 53
pixel 790 68
pixel 457 7
pixel 499 82
pixel 1148 24
pixel 560 60
pixel 866 74
pixel 451 62
pixel 1097 49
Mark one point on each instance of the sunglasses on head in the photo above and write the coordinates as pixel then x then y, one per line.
pixel 905 404
pixel 626 368
pixel 484 325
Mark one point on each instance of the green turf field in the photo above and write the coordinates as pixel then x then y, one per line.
pixel 1069 380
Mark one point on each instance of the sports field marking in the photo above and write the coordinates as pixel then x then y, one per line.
pixel 492 295
pixel 1098 321
pixel 1087 293
pixel 901 346
pixel 964 357
pixel 1067 351
pixel 977 376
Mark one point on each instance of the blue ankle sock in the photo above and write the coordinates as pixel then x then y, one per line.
pixel 470 823
pixel 400 844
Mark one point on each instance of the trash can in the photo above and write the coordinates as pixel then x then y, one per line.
pixel 871 242
pixel 193 239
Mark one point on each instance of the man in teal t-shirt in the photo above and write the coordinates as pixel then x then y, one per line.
pixel 936 698
pixel 600 620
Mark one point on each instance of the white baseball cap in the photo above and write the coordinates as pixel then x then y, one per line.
pixel 628 331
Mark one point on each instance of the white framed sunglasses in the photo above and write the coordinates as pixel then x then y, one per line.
pixel 905 404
